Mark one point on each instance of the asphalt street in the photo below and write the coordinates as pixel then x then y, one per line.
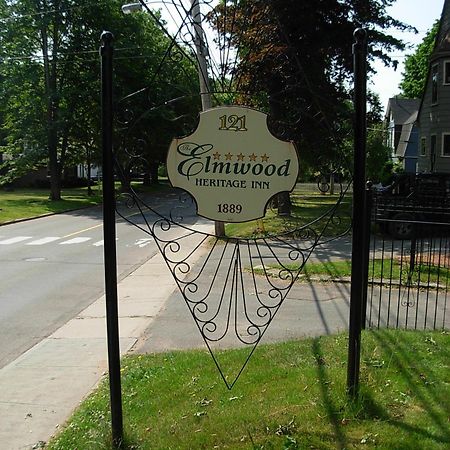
pixel 52 268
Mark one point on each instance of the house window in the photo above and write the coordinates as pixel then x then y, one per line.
pixel 433 152
pixel 446 144
pixel 423 147
pixel 447 72
pixel 434 84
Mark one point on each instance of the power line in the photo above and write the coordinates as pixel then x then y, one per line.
pixel 48 11
pixel 80 52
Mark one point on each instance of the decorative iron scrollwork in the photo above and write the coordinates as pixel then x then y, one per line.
pixel 233 287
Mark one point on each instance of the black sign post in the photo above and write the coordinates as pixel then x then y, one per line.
pixel 359 212
pixel 109 237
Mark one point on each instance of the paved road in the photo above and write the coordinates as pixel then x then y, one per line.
pixel 52 268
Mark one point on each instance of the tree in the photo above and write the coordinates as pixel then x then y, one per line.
pixel 378 161
pixel 298 55
pixel 416 66
pixel 50 96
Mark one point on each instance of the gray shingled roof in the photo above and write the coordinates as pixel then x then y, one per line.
pixel 402 109
pixel 405 136
pixel 443 37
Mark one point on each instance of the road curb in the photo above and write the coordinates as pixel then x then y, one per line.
pixel 43 386
pixel 27 219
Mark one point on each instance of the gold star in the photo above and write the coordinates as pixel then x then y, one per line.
pixel 216 155
pixel 264 158
pixel 252 157
pixel 228 156
pixel 240 157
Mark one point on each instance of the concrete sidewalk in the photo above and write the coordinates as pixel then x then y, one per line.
pixel 40 389
pixel 308 310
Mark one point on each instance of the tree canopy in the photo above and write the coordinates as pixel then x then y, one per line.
pixel 295 58
pixel 416 66
pixel 49 67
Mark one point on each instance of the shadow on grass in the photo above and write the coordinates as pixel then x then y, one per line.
pixel 416 373
pixel 413 371
pixel 332 410
pixel 35 204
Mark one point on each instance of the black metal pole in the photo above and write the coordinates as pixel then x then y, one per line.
pixel 109 237
pixel 366 245
pixel 359 210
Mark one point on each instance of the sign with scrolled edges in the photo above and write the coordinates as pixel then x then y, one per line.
pixel 232 165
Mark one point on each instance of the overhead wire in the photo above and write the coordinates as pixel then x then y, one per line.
pixel 49 11
pixel 79 52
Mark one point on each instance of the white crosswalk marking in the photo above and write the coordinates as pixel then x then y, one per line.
pixel 35 241
pixel 43 241
pixel 101 243
pixel 142 242
pixel 15 240
pixel 77 240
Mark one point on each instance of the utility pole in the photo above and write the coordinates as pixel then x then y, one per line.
pixel 205 91
pixel 201 50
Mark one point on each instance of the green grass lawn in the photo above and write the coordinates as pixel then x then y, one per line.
pixel 306 208
pixel 379 270
pixel 290 396
pixel 22 203
pixel 26 203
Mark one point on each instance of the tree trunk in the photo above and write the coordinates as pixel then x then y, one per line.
pixel 125 179
pixel 154 172
pixel 274 202
pixel 219 228
pixel 89 188
pixel 55 172
pixel 50 77
pixel 284 204
pixel 147 181
pixel 284 200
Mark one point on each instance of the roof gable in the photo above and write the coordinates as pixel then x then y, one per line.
pixel 441 47
pixel 442 43
pixel 402 109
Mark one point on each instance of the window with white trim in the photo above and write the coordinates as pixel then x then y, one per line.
pixel 434 83
pixel 446 144
pixel 423 146
pixel 433 147
pixel 447 71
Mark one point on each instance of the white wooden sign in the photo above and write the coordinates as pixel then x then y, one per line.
pixel 232 165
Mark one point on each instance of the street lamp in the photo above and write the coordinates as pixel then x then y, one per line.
pixel 205 91
pixel 130 8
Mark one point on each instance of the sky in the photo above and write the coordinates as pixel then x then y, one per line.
pixel 419 13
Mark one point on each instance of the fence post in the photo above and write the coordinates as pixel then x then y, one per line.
pixel 412 253
pixel 366 245
pixel 359 212
pixel 109 233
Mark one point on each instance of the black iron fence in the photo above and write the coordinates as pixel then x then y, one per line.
pixel 408 278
